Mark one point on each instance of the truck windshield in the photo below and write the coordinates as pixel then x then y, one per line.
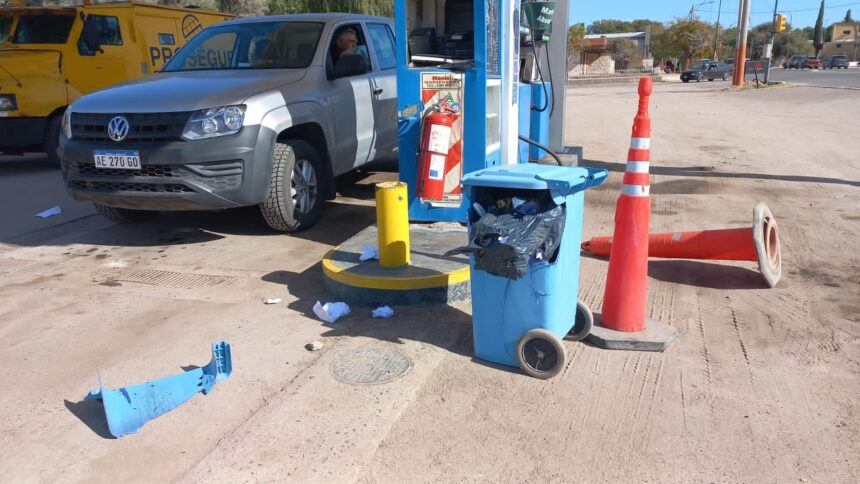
pixel 5 26
pixel 257 45
pixel 43 29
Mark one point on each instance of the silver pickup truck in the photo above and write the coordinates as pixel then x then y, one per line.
pixel 261 111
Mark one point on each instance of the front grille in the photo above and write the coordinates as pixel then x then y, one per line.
pixel 146 170
pixel 102 186
pixel 143 127
pixel 218 175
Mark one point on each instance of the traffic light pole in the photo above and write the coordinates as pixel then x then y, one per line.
pixel 769 52
pixel 741 44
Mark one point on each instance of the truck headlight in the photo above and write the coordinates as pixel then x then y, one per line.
pixel 67 123
pixel 212 122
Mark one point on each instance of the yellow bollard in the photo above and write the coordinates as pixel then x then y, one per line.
pixel 392 222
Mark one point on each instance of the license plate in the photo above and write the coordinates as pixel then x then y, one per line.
pixel 123 160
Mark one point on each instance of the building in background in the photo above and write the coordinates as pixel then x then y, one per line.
pixel 844 41
pixel 607 53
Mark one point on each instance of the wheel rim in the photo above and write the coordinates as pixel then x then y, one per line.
pixel 303 186
pixel 540 355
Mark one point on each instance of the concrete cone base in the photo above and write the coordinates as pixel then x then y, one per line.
pixel 657 336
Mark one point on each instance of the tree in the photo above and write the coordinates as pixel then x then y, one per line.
pixel 818 35
pixel 688 39
pixel 848 16
pixel 625 53
pixel 609 26
pixel 384 8
pixel 575 40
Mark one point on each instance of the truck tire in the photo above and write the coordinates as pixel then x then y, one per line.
pixel 125 216
pixel 295 196
pixel 52 139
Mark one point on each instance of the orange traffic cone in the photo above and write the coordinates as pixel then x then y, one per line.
pixel 758 243
pixel 625 297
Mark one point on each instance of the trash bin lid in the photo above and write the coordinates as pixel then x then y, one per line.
pixel 561 181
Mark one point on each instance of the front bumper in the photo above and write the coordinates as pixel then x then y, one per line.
pixel 225 172
pixel 22 134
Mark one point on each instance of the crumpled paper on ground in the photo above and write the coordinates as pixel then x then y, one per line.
pixel 55 210
pixel 382 312
pixel 368 253
pixel 331 312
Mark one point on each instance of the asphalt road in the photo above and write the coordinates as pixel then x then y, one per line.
pixel 831 78
pixel 29 185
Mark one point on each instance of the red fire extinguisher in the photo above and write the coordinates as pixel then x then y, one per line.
pixel 433 152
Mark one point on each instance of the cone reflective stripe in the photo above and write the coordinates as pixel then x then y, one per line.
pixel 625 297
pixel 758 243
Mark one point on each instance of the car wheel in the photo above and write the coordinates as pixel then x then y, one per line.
pixel 725 76
pixel 125 216
pixel 685 80
pixel 51 142
pixel 295 196
pixel 699 78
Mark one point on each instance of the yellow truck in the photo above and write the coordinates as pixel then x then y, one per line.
pixel 49 57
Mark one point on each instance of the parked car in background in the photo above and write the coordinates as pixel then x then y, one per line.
pixel 51 56
pixel 811 63
pixel 794 62
pixel 254 112
pixel 835 62
pixel 707 70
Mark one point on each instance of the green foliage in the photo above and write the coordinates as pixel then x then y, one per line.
pixel 818 32
pixel 575 37
pixel 625 52
pixel 689 39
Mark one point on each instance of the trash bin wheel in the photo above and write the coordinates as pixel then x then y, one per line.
pixel 540 353
pixel 582 323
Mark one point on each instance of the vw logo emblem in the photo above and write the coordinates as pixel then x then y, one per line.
pixel 118 128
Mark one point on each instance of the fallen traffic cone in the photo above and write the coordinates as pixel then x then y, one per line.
pixel 758 243
pixel 624 300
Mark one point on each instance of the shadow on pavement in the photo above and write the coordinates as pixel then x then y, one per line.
pixel 25 164
pixel 91 413
pixel 705 274
pixel 445 327
pixel 707 172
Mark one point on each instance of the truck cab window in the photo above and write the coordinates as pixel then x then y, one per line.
pixel 5 26
pixel 43 29
pixel 98 30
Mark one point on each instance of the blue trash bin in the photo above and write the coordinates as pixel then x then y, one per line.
pixel 522 322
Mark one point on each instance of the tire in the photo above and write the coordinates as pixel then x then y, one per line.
pixel 295 196
pixel 685 81
pixel 583 323
pixel 51 143
pixel 725 76
pixel 539 347
pixel 699 78
pixel 125 216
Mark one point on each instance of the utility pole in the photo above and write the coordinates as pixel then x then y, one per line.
pixel 741 44
pixel 717 29
pixel 769 51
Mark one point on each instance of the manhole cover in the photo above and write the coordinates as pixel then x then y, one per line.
pixel 369 366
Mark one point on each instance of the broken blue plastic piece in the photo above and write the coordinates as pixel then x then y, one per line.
pixel 128 408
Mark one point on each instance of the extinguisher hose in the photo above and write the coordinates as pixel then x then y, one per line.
pixel 542 83
pixel 540 146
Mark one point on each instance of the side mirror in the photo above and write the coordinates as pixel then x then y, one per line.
pixel 350 63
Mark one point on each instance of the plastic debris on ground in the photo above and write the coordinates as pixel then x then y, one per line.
pixel 512 232
pixel 382 312
pixel 314 345
pixel 272 300
pixel 368 253
pixel 55 210
pixel 331 312
pixel 128 408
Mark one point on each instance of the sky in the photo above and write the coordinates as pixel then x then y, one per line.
pixel 804 12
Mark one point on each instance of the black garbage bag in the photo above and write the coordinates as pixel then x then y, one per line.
pixel 504 244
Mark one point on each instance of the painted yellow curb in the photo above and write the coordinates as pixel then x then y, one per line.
pixel 343 276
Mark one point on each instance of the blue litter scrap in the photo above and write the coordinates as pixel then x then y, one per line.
pixel 55 210
pixel 129 408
